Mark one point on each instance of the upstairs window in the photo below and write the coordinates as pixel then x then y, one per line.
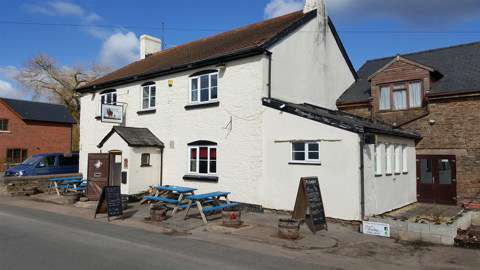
pixel 308 152
pixel 109 97
pixel 204 87
pixel 203 158
pixel 3 125
pixel 401 96
pixel 149 93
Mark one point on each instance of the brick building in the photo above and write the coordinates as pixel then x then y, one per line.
pixel 28 128
pixel 437 94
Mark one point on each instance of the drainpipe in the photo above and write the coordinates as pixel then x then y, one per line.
pixel 269 83
pixel 362 177
pixel 161 167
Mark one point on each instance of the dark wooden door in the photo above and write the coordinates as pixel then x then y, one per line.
pixel 436 179
pixel 98 174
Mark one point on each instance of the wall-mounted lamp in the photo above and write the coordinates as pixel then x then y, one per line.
pixel 170 83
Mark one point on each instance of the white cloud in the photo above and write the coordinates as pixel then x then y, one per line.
pixel 281 7
pixel 120 49
pixel 8 72
pixel 9 87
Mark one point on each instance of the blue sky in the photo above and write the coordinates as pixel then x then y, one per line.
pixel 369 28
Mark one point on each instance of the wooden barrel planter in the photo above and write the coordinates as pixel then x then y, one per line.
pixel 288 229
pixel 158 213
pixel 71 197
pixel 124 202
pixel 232 217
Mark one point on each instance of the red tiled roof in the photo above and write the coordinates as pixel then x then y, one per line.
pixel 253 38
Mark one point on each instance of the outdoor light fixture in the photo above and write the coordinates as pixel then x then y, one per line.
pixel 170 83
pixel 282 106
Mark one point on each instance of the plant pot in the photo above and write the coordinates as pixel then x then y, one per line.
pixel 232 217
pixel 158 213
pixel 288 229
pixel 71 197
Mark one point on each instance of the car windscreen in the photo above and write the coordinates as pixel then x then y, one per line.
pixel 31 161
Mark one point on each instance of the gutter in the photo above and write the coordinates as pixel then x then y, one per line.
pixel 269 83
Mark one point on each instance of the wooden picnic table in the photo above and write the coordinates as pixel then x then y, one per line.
pixel 66 183
pixel 171 196
pixel 209 203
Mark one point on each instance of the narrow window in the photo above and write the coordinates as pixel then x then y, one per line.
pixel 415 94
pixel 149 94
pixel 399 97
pixel 145 160
pixel 378 159
pixel 3 125
pixel 306 152
pixel 398 159
pixel 203 159
pixel 405 159
pixel 384 98
pixel 388 158
pixel 204 88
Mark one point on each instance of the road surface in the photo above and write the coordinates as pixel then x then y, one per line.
pixel 32 239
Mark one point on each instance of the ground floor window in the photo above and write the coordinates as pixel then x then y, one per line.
pixel 308 152
pixel 145 162
pixel 203 159
pixel 16 155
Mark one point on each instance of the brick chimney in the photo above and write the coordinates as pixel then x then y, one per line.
pixel 149 45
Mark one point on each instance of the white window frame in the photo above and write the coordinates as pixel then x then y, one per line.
pixel 378 159
pixel 104 96
pixel 398 159
pixel 198 78
pixel 405 158
pixel 142 97
pixel 197 172
pixel 388 159
pixel 5 125
pixel 306 151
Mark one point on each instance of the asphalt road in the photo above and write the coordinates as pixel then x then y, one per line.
pixel 32 239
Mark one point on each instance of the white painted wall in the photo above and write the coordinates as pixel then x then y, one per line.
pixel 141 178
pixel 387 192
pixel 308 66
pixel 339 174
pixel 239 143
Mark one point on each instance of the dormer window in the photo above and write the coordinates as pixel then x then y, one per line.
pixel 400 96
pixel 204 87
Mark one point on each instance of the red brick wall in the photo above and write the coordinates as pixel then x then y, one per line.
pixel 36 137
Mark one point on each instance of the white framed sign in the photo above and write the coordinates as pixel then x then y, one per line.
pixel 112 113
pixel 376 228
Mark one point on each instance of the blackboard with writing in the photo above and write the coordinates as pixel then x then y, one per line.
pixel 309 204
pixel 111 198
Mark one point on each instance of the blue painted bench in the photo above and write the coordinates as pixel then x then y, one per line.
pixel 206 198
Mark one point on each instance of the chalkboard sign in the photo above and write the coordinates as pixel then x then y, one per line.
pixel 309 204
pixel 112 199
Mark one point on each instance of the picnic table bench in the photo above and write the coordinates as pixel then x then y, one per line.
pixel 67 183
pixel 202 202
pixel 171 196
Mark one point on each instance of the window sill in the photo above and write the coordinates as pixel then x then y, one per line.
pixel 145 166
pixel 194 106
pixel 5 131
pixel 98 118
pixel 378 175
pixel 305 163
pixel 201 178
pixel 149 111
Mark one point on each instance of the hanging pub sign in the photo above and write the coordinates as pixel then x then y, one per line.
pixel 309 204
pixel 110 202
pixel 112 113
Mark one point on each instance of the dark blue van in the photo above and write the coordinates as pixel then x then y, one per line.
pixel 45 164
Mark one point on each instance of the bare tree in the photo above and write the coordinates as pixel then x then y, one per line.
pixel 49 80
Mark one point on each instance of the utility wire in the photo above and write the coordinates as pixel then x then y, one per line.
pixel 163 28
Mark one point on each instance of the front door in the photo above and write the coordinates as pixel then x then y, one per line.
pixel 115 168
pixel 436 179
pixel 98 174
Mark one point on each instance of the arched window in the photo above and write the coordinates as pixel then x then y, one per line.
pixel 108 97
pixel 202 158
pixel 149 96
pixel 204 86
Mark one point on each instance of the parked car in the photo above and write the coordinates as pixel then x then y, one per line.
pixel 45 164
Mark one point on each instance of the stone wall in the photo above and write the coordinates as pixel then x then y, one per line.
pixel 28 185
